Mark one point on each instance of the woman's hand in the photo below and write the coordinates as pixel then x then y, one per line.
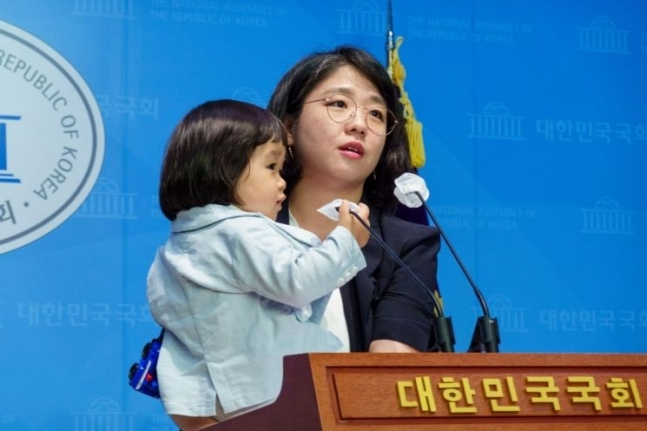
pixel 347 220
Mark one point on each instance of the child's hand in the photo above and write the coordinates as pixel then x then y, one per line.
pixel 347 220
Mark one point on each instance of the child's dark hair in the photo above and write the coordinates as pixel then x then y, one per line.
pixel 208 152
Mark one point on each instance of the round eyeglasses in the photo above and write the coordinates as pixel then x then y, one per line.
pixel 342 109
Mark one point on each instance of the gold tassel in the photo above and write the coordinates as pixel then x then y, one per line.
pixel 412 126
pixel 440 301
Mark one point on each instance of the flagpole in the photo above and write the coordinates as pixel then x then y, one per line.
pixel 390 45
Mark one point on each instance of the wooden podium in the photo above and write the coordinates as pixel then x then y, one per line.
pixel 455 391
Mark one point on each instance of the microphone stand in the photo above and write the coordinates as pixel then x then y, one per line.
pixel 486 332
pixel 441 325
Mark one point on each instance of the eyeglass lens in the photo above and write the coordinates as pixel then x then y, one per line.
pixel 379 119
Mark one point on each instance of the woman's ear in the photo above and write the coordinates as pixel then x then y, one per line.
pixel 288 123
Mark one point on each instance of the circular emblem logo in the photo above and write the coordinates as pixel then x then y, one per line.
pixel 52 139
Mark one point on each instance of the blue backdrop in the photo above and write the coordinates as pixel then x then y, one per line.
pixel 535 130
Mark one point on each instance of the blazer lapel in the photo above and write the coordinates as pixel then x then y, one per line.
pixel 359 294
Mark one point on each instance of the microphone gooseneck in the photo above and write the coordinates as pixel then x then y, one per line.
pixel 442 325
pixel 477 291
pixel 486 333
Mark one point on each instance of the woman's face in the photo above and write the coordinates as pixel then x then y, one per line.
pixel 343 153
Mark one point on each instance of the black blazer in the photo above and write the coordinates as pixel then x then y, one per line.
pixel 383 301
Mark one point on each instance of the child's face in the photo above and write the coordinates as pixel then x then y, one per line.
pixel 260 188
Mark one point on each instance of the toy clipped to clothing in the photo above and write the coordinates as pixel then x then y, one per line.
pixel 234 290
pixel 142 375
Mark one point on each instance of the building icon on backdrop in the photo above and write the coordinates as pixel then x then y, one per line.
pixel 247 94
pixel 107 201
pixel 103 415
pixel 607 217
pixel 104 8
pixel 495 122
pixel 602 36
pixel 366 17
pixel 509 318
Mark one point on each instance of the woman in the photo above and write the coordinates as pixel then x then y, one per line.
pixel 347 141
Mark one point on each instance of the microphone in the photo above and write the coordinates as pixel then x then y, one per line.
pixel 441 325
pixel 411 191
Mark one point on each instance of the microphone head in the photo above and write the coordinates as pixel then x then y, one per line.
pixel 406 186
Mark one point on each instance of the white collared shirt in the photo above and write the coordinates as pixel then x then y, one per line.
pixel 333 319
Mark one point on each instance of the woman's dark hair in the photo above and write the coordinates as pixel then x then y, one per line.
pixel 293 88
pixel 208 152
